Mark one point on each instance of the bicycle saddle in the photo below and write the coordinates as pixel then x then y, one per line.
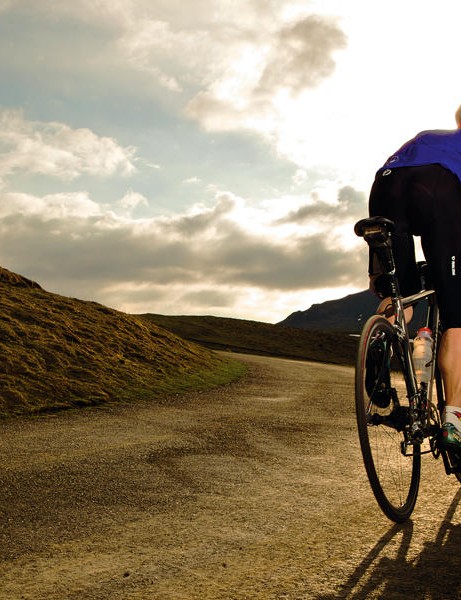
pixel 379 222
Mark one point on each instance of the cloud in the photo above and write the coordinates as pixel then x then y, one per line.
pixel 202 220
pixel 209 255
pixel 351 200
pixel 209 297
pixel 57 150
pixel 259 48
pixel 289 60
pixel 132 200
pixel 302 56
pixel 268 57
pixel 170 40
pixel 350 203
pixel 140 67
pixel 48 208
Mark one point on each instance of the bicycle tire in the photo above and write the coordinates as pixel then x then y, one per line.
pixel 393 476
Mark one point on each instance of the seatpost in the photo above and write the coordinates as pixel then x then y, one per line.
pixel 377 232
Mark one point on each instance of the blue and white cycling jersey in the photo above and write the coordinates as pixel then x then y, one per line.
pixel 441 147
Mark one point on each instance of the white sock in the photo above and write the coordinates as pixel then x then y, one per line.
pixel 452 414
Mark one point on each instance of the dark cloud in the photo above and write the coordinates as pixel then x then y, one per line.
pixel 88 256
pixel 209 297
pixel 307 212
pixel 351 200
pixel 308 262
pixel 303 55
pixel 350 204
pixel 191 225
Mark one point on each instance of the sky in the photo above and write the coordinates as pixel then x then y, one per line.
pixel 209 156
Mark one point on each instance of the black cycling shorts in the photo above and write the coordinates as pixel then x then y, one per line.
pixel 424 201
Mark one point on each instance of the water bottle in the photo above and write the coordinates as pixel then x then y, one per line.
pixel 422 354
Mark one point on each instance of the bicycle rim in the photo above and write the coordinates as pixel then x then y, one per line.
pixel 393 476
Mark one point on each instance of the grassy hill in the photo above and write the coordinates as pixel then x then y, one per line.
pixel 58 352
pixel 260 338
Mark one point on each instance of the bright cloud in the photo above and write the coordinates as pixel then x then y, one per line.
pixel 132 200
pixel 52 207
pixel 57 150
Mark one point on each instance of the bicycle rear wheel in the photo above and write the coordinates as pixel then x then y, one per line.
pixel 381 396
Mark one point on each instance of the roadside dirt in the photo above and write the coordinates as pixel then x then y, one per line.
pixel 252 491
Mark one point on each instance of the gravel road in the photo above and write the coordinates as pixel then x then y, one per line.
pixel 255 490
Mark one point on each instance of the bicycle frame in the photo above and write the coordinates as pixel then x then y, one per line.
pixel 377 233
pixel 397 418
pixel 420 395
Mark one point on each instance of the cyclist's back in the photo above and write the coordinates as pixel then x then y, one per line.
pixel 440 146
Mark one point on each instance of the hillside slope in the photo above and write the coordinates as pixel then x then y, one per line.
pixel 261 338
pixel 58 352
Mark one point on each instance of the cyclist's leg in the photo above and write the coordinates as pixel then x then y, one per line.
pixel 449 361
pixel 439 214
pixel 450 365
pixel 388 198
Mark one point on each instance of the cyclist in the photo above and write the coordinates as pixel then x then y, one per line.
pixel 419 188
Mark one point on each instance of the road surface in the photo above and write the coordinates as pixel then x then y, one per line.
pixel 255 490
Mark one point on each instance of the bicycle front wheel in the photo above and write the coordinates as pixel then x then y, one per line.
pixel 382 408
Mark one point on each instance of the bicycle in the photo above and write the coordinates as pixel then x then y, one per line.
pixel 398 418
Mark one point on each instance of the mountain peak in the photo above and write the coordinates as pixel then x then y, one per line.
pixel 345 314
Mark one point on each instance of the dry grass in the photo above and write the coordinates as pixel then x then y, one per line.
pixel 254 337
pixel 58 352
